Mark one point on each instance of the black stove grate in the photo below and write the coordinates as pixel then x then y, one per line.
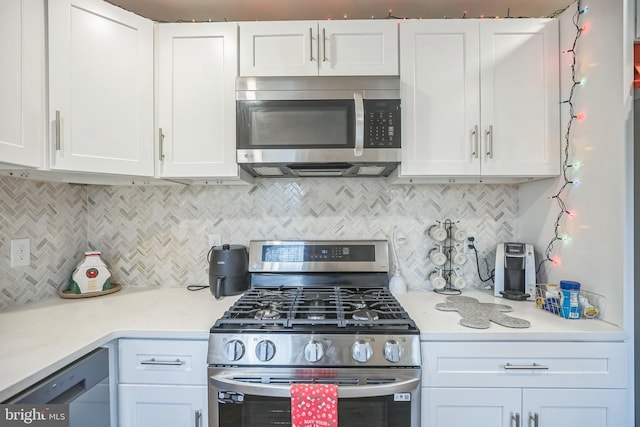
pixel 302 308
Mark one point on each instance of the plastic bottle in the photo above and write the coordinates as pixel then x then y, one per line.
pixel 570 299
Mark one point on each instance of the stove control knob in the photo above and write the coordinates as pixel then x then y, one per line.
pixel 361 351
pixel 393 351
pixel 313 351
pixel 234 350
pixel 265 350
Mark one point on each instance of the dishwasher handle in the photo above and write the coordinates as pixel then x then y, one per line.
pixel 70 393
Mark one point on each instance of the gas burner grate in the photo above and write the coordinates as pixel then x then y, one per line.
pixel 307 307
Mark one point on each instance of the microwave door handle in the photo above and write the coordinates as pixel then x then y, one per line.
pixel 358 149
pixel 284 391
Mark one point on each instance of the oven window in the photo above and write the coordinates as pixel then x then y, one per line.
pixel 257 411
pixel 295 124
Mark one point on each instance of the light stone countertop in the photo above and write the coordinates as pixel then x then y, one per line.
pixel 437 325
pixel 38 339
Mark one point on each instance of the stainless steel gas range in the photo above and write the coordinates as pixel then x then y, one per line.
pixel 317 312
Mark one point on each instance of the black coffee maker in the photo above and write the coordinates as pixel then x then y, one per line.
pixel 515 275
pixel 228 270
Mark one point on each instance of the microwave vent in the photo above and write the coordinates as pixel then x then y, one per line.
pixel 268 171
pixel 371 170
pixel 320 172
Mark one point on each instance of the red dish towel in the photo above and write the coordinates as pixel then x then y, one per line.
pixel 314 405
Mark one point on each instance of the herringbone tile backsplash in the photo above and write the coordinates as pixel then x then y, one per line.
pixel 158 235
pixel 54 218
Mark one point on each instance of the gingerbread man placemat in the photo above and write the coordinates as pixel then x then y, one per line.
pixel 480 315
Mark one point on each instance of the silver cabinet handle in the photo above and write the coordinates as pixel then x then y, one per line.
pixel 475 136
pixel 515 417
pixel 509 366
pixel 324 45
pixel 490 142
pixel 198 418
pixel 155 362
pixel 160 144
pixel 58 131
pixel 533 417
pixel 358 149
pixel 311 44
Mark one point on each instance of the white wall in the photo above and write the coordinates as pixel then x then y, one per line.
pixel 602 228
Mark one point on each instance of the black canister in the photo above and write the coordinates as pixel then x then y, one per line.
pixel 228 270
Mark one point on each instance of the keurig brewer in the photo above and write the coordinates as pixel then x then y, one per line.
pixel 515 273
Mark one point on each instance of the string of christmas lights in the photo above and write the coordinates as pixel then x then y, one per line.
pixel 464 16
pixel 567 168
pixel 388 16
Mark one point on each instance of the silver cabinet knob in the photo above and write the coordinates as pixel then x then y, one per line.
pixel 313 351
pixel 393 351
pixel 265 350
pixel 361 351
pixel 234 350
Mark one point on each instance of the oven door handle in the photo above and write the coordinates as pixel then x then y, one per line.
pixel 345 392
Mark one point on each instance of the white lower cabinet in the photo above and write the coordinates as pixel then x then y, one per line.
pixel 162 383
pixel 513 407
pixel 162 405
pixel 524 384
pixel 580 407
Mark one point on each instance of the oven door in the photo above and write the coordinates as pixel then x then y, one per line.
pixel 366 397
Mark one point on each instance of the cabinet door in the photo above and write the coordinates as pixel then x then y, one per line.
pixel 575 407
pixel 162 405
pixel 439 65
pixel 100 88
pixel 358 48
pixel 22 103
pixel 464 407
pixel 197 71
pixel 279 48
pixel 520 97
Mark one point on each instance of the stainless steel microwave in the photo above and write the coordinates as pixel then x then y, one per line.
pixel 318 126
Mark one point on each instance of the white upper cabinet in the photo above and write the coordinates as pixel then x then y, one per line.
pixel 312 48
pixel 22 86
pixel 440 63
pixel 100 88
pixel 480 99
pixel 196 103
pixel 520 105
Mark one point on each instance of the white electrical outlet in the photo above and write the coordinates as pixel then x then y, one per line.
pixel 215 240
pixel 470 241
pixel 20 252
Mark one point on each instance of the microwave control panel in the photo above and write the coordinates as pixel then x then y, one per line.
pixel 382 123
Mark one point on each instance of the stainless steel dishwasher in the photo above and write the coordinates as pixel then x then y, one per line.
pixel 83 385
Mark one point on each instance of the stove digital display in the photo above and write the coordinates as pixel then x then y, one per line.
pixel 318 253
